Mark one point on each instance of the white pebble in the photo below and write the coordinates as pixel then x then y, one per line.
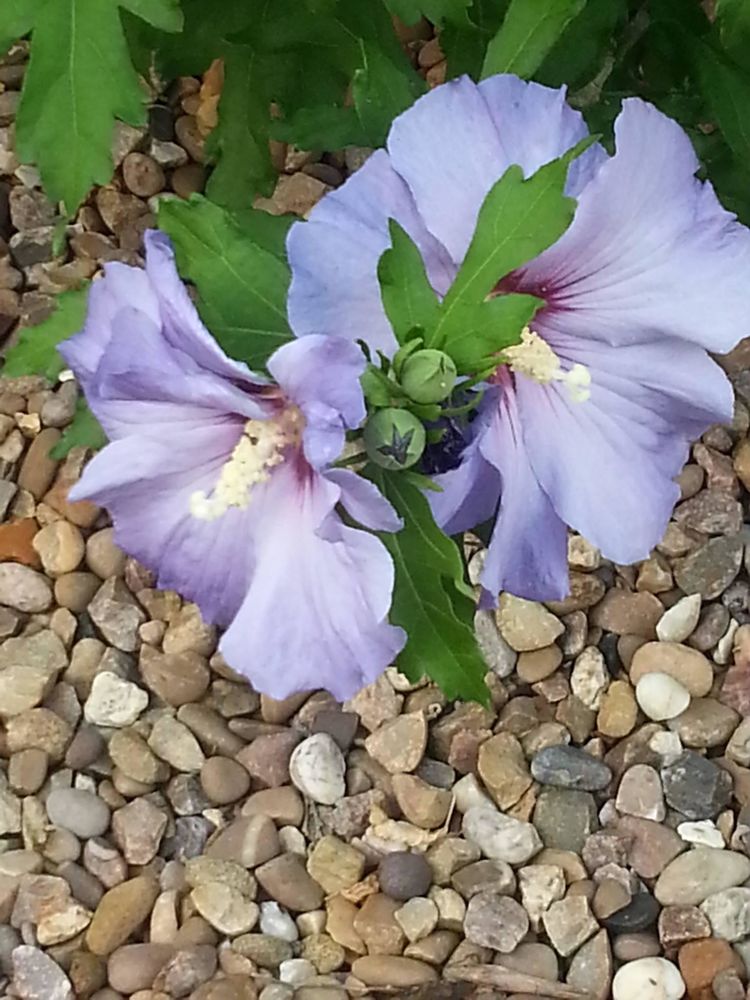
pixel 317 769
pixel 296 971
pixel 501 837
pixel 661 697
pixel 704 833
pixel 277 922
pixel 725 645
pixel 468 792
pixel 113 701
pixel 648 979
pixel 679 621
pixel 590 677
pixel 666 745
pixel 292 840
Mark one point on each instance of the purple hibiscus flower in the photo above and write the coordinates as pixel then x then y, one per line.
pixel 220 480
pixel 589 419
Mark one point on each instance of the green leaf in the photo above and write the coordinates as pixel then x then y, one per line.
pixel 35 353
pixel 733 19
pixel 437 11
pixel 518 219
pixel 408 296
pixel 479 331
pixel 465 44
pixel 727 91
pixel 382 89
pixel 585 45
pixel 165 15
pixel 528 32
pixel 437 617
pixel 242 287
pixel 80 78
pixel 326 126
pixel 84 432
pixel 240 140
pixel 16 20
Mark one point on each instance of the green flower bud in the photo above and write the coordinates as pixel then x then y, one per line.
pixel 394 438
pixel 428 376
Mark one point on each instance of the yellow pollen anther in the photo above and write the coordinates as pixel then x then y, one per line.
pixel 262 446
pixel 535 359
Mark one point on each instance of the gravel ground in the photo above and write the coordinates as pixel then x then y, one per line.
pixel 167 832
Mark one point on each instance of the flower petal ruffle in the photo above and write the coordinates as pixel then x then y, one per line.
pixel 316 610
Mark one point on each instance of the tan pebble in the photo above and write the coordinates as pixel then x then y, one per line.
pixel 38 468
pixel 399 745
pixel 618 711
pixel 224 780
pixel 687 666
pixel 60 546
pixel 334 864
pixel 177 678
pixel 340 914
pixel 627 613
pixel 75 590
pixel 120 912
pixel 393 970
pixel 142 175
pixel 250 841
pixel 134 966
pixel 284 805
pixel 537 664
pixel 503 769
pixel 225 908
pixel 526 625
pixel 103 557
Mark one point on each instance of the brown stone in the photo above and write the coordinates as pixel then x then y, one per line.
pixel 285 879
pixel 177 678
pixel 120 912
pixel 627 613
pixel 421 803
pixel 502 767
pixel 701 961
pixel 38 468
pixel 399 745
pixel 686 665
pixel 377 926
pixel 15 543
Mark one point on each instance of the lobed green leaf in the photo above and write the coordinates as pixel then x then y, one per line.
pixel 528 33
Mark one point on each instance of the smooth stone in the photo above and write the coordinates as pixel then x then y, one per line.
pixel 120 911
pixel 317 769
pixel 618 713
pixel 286 880
pixel 640 793
pixel 699 873
pixel 688 666
pixel 503 769
pixel 648 979
pixel 77 810
pixel 23 588
pixel 134 967
pixel 705 724
pixel 526 625
pixel 225 908
pixel 248 841
pixel 403 875
pixel 661 697
pixel 681 620
pixel 640 913
pixel 627 613
pixel 591 967
pixel 564 818
pixel 569 767
pixel 500 837
pixel 392 970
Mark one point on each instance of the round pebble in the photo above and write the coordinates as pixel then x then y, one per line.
pixel 403 875
pixel 224 780
pixel 648 979
pixel 81 812
pixel 661 697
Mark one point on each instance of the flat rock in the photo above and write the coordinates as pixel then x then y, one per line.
pixel 569 923
pixel 117 614
pixel 503 769
pixel 249 841
pixel 334 864
pixel 709 569
pixel 640 793
pixel 393 970
pixel 495 921
pixel 705 724
pixel 500 837
pixel 695 786
pixel 399 744
pixel 526 625
pixel 569 767
pixel 626 613
pixel 120 912
pixel 37 977
pixel 694 876
pixel 23 588
pixel 564 818
pixel 688 666
pixel 286 880
pixel 591 967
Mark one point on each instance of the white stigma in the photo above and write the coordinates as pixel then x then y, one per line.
pixel 535 359
pixel 262 447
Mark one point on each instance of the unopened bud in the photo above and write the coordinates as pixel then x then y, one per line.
pixel 394 438
pixel 428 376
